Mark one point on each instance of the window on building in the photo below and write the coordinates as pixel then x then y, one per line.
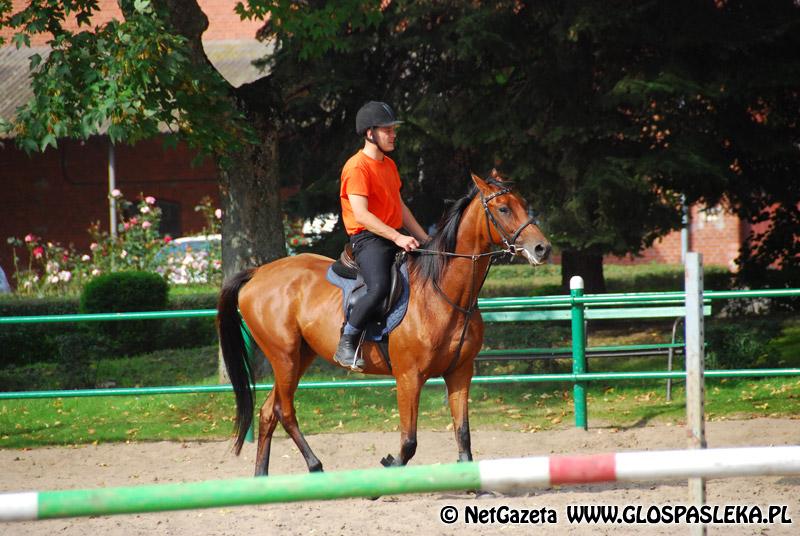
pixel 170 218
pixel 712 213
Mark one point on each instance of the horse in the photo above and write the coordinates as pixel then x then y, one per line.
pixel 295 315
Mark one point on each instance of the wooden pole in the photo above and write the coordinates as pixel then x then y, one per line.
pixel 695 373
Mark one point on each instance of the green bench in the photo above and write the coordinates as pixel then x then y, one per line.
pixel 517 310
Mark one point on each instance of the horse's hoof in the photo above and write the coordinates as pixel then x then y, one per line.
pixel 483 494
pixel 388 461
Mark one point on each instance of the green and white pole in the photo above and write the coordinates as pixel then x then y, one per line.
pixel 578 351
pixel 504 475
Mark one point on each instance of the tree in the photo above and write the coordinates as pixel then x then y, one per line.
pixel 443 63
pixel 606 114
pixel 131 78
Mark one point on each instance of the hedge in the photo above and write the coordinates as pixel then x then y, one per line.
pixel 22 344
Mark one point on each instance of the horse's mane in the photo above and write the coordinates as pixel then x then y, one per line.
pixel 429 267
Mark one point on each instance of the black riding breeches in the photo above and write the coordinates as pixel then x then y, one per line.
pixel 374 255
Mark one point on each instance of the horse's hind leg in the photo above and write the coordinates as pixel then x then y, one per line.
pixel 286 381
pixel 267 420
pixel 272 412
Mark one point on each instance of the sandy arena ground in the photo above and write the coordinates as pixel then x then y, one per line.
pixel 146 463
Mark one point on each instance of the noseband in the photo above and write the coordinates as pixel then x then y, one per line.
pixel 508 241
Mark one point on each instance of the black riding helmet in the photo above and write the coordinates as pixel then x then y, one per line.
pixel 374 114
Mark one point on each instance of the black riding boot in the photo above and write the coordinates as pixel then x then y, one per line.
pixel 346 352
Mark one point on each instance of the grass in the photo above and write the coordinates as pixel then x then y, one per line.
pixel 526 408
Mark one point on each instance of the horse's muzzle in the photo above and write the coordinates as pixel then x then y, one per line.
pixel 538 254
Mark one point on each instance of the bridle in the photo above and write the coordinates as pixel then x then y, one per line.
pixel 510 249
pixel 508 241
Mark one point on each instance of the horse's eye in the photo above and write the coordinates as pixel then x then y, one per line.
pixel 502 209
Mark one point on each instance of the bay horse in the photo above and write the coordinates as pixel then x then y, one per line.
pixel 294 314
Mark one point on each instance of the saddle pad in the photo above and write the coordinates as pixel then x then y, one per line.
pixel 375 331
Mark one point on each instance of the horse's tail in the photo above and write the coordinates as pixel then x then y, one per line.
pixel 234 353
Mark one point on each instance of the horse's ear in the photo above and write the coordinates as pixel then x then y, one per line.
pixel 481 184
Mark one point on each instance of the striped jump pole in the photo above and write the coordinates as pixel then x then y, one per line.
pixel 498 475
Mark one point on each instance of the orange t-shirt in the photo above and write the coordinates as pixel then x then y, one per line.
pixel 379 182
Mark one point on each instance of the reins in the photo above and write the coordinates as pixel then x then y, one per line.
pixel 510 249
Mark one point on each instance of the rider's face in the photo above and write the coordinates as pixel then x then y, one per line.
pixel 385 136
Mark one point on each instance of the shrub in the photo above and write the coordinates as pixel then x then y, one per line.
pixel 121 292
pixel 23 344
pixel 190 332
pixel 742 344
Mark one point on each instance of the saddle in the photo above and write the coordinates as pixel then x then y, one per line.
pixel 347 267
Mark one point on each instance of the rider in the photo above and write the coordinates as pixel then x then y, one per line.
pixel 373 214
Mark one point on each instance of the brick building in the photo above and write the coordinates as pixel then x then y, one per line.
pixel 58 194
pixel 714 232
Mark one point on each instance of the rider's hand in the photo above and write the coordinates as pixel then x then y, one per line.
pixel 408 243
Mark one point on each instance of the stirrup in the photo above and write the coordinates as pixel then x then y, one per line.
pixel 357 364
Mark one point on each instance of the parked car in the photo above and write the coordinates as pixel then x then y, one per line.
pixel 192 259
pixel 5 288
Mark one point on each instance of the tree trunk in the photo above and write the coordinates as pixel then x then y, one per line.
pixel 252 223
pixel 586 264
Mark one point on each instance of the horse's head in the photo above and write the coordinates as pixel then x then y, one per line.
pixel 508 221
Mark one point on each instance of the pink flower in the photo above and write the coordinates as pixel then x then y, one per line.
pixel 167 239
pixel 95 272
pixel 134 221
pixel 126 226
pixel 150 200
pixel 146 224
pixel 38 251
pixel 86 258
pixel 145 209
pixel 218 213
pixel 115 193
pixel 29 238
pixel 94 246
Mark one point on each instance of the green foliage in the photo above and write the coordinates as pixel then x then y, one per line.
pixel 127 78
pixel 30 343
pixel 742 344
pixel 126 291
pixel 320 25
pixel 33 344
pixel 605 114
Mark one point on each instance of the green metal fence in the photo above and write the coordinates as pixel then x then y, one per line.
pixel 576 303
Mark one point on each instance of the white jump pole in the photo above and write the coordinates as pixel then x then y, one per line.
pixel 500 475
pixel 695 373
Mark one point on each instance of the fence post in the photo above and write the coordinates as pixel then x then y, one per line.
pixel 578 351
pixel 695 373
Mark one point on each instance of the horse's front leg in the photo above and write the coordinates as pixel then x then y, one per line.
pixel 458 383
pixel 409 386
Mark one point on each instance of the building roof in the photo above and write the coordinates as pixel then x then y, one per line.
pixel 232 58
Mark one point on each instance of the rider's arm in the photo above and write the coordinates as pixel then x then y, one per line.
pixel 373 224
pixel 410 223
